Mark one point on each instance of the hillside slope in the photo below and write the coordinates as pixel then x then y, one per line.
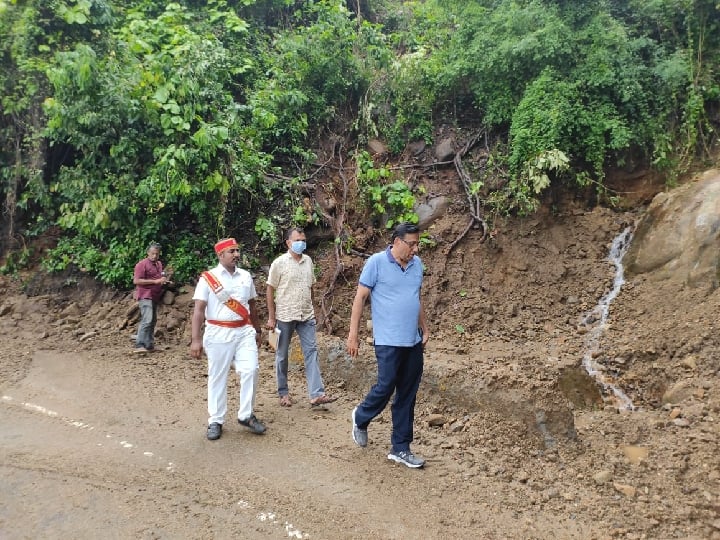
pixel 521 442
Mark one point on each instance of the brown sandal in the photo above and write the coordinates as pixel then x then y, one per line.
pixel 322 400
pixel 285 401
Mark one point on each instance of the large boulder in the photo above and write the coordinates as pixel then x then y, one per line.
pixel 678 238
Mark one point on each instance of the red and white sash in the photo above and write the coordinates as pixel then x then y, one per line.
pixel 225 298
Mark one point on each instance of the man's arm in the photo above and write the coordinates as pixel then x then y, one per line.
pixel 138 280
pixel 254 315
pixel 255 319
pixel 198 317
pixel 422 322
pixel 270 303
pixel 353 341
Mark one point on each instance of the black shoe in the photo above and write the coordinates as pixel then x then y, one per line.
pixel 253 424
pixel 214 431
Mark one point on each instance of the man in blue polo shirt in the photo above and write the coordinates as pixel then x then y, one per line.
pixel 392 279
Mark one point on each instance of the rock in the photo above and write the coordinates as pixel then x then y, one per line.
pixel 377 147
pixel 436 420
pixel 431 210
pixel 625 489
pixel 445 150
pixel 172 323
pixel 416 148
pixel 87 335
pixel 71 309
pixel 677 393
pixel 603 476
pixel 677 237
pixel 5 309
pixel 636 454
pixel 689 362
pixel 521 476
pixel 168 298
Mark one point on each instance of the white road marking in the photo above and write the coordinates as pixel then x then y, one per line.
pixel 271 517
pixel 170 467
pixel 291 531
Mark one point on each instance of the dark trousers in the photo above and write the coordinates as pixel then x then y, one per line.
pixel 399 370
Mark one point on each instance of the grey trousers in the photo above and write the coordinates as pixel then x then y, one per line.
pixel 306 332
pixel 146 329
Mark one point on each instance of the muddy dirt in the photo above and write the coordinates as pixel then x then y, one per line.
pixel 521 442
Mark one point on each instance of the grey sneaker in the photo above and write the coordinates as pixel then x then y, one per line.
pixel 214 431
pixel 253 424
pixel 407 458
pixel 358 435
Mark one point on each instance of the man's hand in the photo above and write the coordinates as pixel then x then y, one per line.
pixel 271 322
pixel 196 349
pixel 353 345
pixel 425 337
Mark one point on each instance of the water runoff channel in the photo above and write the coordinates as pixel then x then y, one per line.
pixel 595 320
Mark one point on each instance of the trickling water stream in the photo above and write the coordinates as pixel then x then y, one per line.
pixel 596 318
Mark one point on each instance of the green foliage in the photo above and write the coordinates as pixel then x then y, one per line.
pixel 386 199
pixel 599 82
pixel 187 256
pixel 15 261
pixel 403 98
pixel 522 192
pixel 314 71
pixel 125 122
pixel 170 137
pixel 305 215
pixel 427 241
pixel 266 229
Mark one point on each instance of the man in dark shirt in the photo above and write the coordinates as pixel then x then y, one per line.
pixel 149 279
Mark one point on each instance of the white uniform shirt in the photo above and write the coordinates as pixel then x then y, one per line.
pixel 241 287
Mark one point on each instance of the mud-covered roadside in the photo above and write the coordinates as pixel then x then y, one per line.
pixel 519 440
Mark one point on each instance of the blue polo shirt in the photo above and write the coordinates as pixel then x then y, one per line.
pixel 394 298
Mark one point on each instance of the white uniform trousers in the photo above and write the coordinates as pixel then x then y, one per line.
pixel 242 354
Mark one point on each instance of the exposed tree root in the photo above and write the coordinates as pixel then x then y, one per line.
pixel 337 223
pixel 473 198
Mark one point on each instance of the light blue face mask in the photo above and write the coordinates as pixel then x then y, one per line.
pixel 298 246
